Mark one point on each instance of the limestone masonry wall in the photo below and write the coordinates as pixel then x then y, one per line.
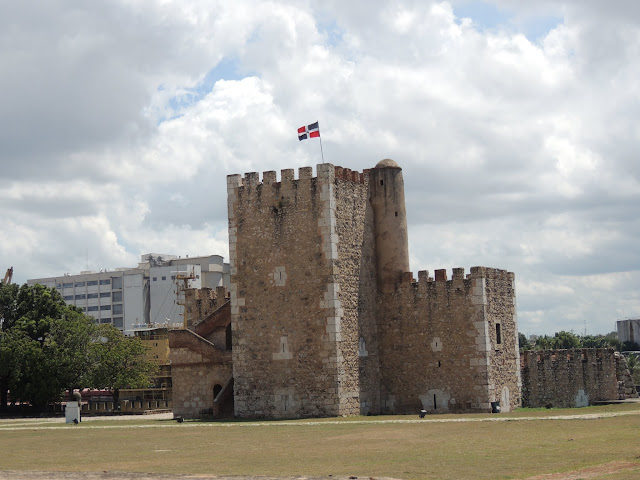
pixel 355 275
pixel 200 302
pixel 323 318
pixel 314 331
pixel 438 346
pixel 197 366
pixel 504 384
pixel 285 296
pixel 573 378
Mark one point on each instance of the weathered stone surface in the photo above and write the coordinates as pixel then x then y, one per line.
pixel 573 378
pixel 200 367
pixel 316 334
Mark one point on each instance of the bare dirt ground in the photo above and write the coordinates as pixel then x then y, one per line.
pixel 598 471
pixel 13 475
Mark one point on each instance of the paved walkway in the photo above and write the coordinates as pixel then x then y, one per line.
pixel 46 423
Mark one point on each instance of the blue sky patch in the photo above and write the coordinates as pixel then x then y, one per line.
pixel 486 16
pixel 227 69
pixel 332 31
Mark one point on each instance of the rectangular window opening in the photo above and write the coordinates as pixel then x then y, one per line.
pixel 498 334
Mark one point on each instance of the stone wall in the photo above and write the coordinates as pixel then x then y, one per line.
pixel 438 347
pixel 358 294
pixel 626 387
pixel 216 327
pixel 197 367
pixel 355 269
pixel 291 351
pixel 505 384
pixel 573 378
pixel 200 302
pixel 313 334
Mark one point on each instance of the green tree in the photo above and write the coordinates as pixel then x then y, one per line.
pixel 47 347
pixel 544 343
pixel 43 345
pixel 524 343
pixel 562 340
pixel 634 368
pixel 119 362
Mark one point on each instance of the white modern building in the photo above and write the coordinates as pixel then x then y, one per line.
pixel 629 330
pixel 149 294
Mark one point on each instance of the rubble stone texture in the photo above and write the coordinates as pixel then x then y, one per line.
pixel 326 319
pixel 201 356
pixel 574 378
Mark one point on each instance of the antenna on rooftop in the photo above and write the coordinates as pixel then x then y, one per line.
pixel 585 327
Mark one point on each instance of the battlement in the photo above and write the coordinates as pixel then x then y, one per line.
pixel 563 356
pixel 457 275
pixel 573 377
pixel 326 172
pixel 351 175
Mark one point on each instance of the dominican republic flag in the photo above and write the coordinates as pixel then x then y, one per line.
pixel 310 131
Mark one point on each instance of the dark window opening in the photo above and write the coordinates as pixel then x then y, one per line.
pixel 228 337
pixel 439 364
pixel 216 390
pixel 435 405
pixel 396 214
pixel 498 334
pixel 381 182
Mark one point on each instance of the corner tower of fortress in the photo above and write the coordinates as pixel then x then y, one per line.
pixel 296 255
pixel 386 188
pixel 327 319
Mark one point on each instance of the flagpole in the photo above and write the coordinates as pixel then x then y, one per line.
pixel 321 152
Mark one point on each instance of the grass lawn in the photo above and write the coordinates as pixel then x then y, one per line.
pixel 361 446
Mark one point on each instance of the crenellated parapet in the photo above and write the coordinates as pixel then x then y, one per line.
pixel 321 292
pixel 572 378
pixel 292 245
pixel 200 302
pixel 326 172
pixel 485 276
pixel 462 328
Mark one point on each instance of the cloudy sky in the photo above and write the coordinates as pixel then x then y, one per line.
pixel 516 124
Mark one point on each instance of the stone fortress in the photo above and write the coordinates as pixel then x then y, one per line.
pixel 327 320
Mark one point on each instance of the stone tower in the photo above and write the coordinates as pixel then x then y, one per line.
pixel 327 319
pixel 386 188
pixel 295 255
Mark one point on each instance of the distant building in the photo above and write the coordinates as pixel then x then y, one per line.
pixel 158 395
pixel 629 330
pixel 148 294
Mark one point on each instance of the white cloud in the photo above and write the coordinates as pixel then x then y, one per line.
pixel 123 118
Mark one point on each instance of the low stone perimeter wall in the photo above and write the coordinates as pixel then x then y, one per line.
pixel 574 378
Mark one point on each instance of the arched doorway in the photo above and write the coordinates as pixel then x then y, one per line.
pixel 216 390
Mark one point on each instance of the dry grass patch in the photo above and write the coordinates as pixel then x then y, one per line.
pixel 357 446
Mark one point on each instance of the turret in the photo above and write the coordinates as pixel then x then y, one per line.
pixel 392 245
